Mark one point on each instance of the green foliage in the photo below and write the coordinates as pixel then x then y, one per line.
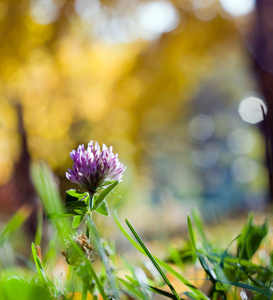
pixel 93 230
pixel 103 209
pixel 14 223
pixel 147 252
pixel 77 220
pixel 78 204
pixel 251 238
pixel 17 287
pixel 38 264
pixel 99 199
pixel 195 291
pixel 73 196
pixel 228 272
pixel 225 270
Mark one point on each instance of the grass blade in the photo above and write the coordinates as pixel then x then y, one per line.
pixel 152 259
pixel 131 288
pixel 38 264
pixel 191 234
pixel 15 222
pixel 142 293
pixel 198 294
pixel 199 226
pixel 39 229
pixel 151 288
pixel 252 288
pixel 46 187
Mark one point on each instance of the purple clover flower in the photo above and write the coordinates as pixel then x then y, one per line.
pixel 93 168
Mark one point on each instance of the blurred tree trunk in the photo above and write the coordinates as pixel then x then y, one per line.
pixel 263 64
pixel 19 189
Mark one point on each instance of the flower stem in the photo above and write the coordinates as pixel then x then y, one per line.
pixel 89 213
pixel 91 195
pixel 84 291
pixel 89 266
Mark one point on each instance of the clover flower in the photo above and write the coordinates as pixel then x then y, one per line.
pixel 93 168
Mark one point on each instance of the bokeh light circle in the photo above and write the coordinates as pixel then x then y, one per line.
pixel 250 109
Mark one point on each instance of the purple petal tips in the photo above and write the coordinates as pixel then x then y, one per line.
pixel 92 167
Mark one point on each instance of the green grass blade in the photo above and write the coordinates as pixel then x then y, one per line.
pixel 241 245
pixel 198 294
pixel 39 229
pixel 199 226
pixel 142 292
pixel 266 292
pixel 151 288
pixel 131 288
pixel 46 187
pixel 38 264
pixel 14 223
pixel 202 258
pixel 191 234
pixel 233 260
pixel 152 259
pixel 226 251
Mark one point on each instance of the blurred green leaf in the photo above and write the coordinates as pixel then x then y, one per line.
pixel 199 226
pixel 39 228
pixel 175 256
pixel 16 287
pixel 68 213
pixel 191 234
pixel 131 288
pixel 251 238
pixel 267 293
pixel 47 189
pixel 109 183
pixel 224 255
pixel 15 222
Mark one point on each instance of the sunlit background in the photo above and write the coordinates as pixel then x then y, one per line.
pixel 170 84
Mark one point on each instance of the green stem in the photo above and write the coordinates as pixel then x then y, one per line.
pixel 89 266
pixel 84 291
pixel 91 195
pixel 89 214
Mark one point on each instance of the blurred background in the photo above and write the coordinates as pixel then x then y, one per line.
pixel 176 87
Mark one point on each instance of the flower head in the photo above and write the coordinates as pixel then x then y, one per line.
pixel 92 167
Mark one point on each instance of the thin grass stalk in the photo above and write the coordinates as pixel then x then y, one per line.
pixel 148 253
